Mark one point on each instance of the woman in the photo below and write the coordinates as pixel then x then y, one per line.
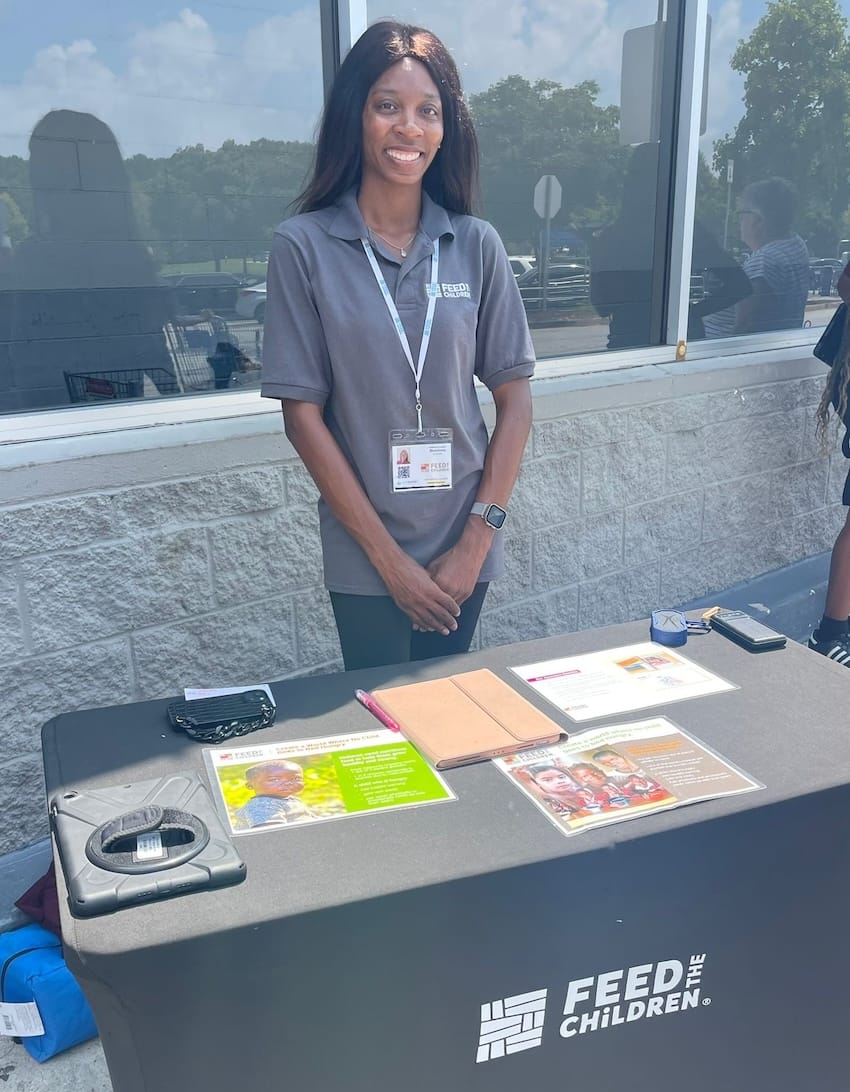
pixel 385 299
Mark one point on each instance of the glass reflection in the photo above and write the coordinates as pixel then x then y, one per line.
pixel 773 181
pixel 135 219
pixel 83 296
pixel 553 90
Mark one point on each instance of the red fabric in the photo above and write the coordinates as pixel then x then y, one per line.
pixel 41 902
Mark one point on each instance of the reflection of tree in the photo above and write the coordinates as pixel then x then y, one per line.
pixel 16 224
pixel 796 65
pixel 199 204
pixel 529 129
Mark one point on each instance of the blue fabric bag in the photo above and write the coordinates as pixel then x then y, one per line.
pixel 32 968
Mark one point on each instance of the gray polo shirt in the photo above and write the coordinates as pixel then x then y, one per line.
pixel 329 339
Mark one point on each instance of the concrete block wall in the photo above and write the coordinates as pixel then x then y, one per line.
pixel 201 566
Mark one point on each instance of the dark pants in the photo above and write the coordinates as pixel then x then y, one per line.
pixel 373 631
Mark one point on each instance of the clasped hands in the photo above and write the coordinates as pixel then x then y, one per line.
pixel 432 596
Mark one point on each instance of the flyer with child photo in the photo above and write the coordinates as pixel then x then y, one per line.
pixel 276 785
pixel 607 775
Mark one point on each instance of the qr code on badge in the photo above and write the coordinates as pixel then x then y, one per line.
pixel 404 472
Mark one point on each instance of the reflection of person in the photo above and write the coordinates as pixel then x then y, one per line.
pixel 778 265
pixel 622 260
pixel 386 215
pixel 84 295
pixel 275 785
pixel 559 791
pixel 832 635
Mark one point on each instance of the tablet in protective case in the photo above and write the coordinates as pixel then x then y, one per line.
pixel 130 844
pixel 467 718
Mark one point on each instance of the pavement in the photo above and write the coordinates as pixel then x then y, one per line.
pixel 82 1069
pixel 789 600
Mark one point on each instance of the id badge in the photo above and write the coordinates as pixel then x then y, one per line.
pixel 420 460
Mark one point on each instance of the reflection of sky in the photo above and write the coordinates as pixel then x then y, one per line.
pixel 164 75
pixel 171 73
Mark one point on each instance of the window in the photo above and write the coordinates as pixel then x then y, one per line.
pixel 146 154
pixel 579 91
pixel 772 231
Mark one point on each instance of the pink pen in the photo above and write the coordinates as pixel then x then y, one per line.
pixel 368 702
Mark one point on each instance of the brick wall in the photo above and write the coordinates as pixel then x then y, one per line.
pixel 198 572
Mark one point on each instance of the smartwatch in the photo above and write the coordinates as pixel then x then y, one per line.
pixel 492 514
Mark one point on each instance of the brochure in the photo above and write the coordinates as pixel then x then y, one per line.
pixel 276 785
pixel 608 775
pixel 619 680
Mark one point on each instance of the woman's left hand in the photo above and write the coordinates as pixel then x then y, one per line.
pixel 456 571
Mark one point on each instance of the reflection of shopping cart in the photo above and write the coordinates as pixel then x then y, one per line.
pixel 114 385
pixel 206 355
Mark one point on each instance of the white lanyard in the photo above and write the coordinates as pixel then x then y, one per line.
pixel 399 328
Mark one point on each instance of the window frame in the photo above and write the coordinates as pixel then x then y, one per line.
pixel 342 22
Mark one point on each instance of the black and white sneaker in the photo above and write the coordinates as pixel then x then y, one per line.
pixel 836 648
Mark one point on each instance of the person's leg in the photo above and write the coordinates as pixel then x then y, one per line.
pixel 838 588
pixel 427 646
pixel 831 638
pixel 372 630
pixel 837 606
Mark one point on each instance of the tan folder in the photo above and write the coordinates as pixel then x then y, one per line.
pixel 467 718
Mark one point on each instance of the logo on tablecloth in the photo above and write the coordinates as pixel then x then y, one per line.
pixel 511 1025
pixel 591 1004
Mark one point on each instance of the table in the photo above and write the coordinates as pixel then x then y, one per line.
pixel 357 955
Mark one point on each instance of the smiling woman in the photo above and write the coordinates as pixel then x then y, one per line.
pixel 386 261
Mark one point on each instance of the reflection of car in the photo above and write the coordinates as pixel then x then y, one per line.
pixel 251 302
pixel 569 284
pixel 521 263
pixel 203 291
pixel 824 274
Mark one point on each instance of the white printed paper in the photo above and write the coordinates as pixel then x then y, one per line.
pixel 20 1020
pixel 619 680
pixel 193 694
pixel 149 847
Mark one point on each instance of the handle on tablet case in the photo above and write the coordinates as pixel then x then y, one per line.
pixel 149 839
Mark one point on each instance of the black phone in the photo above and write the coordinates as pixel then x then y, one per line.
pixel 753 635
pixel 213 720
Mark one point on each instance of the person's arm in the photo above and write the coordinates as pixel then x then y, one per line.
pixel 725 281
pixel 424 601
pixel 457 570
pixel 749 310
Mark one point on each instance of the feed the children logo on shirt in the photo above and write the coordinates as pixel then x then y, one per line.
pixel 452 291
pixel 597 1003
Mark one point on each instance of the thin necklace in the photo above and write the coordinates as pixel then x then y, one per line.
pixel 401 249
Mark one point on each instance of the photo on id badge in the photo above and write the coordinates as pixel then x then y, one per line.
pixel 420 460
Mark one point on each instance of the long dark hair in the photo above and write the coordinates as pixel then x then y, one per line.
pixel 452 178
